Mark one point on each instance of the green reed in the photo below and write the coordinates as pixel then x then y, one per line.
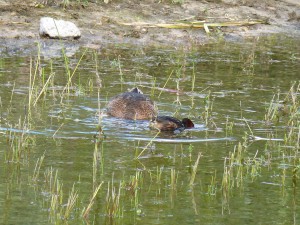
pixel 19 143
pixel 95 164
pixel 285 106
pixel 284 110
pixel 212 187
pixel 67 210
pixel 254 165
pixel 273 109
pixel 228 127
pixel 44 89
pixel 208 110
pixel 153 87
pixel 86 211
pixel 60 209
pixel 233 169
pixel 97 75
pixel 178 89
pixel 146 147
pixel 295 173
pixel 33 76
pixel 192 110
pixel 117 64
pixel 165 83
pixel 37 168
pixel 194 169
pixel 114 208
pixel 71 74
pixel 159 174
pixel 133 187
pixel 173 178
pixel 98 160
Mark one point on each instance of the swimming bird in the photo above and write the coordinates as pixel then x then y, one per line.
pixel 133 105
pixel 168 123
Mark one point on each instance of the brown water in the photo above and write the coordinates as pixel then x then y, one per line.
pixel 236 81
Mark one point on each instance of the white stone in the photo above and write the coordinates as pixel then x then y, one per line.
pixel 52 28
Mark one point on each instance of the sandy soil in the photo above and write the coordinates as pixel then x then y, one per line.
pixel 101 23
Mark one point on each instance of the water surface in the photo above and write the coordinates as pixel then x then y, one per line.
pixel 225 88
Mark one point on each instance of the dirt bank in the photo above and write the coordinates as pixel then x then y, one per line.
pixel 102 23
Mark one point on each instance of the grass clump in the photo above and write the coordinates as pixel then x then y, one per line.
pixel 59 208
pixel 194 169
pixel 212 187
pixel 19 143
pixel 207 114
pixel 113 205
pixel 285 109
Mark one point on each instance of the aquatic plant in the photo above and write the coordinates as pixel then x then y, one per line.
pixel 159 171
pixel 194 169
pixel 285 106
pixel 146 147
pixel 173 178
pixel 19 142
pixel 71 74
pixel 113 204
pixel 207 114
pixel 60 210
pixel 70 204
pixel 165 84
pixel 37 168
pixel 86 211
pixel 228 127
pixel 212 187
pixel 134 187
pixel 98 156
pixel 117 63
pixel 233 169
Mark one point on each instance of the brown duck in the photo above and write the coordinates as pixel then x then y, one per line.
pixel 168 123
pixel 133 105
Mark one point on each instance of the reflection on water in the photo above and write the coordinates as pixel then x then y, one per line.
pixel 225 88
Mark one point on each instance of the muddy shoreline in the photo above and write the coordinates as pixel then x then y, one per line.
pixel 101 23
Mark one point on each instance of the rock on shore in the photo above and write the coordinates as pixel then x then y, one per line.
pixel 52 28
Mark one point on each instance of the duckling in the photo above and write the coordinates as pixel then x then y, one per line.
pixel 133 105
pixel 168 123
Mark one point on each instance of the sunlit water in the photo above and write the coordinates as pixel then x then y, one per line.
pixel 236 81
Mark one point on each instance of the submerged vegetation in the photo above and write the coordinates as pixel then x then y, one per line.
pixel 96 177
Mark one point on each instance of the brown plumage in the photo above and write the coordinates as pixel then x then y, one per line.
pixel 132 105
pixel 168 123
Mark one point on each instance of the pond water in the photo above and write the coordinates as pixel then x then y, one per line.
pixel 239 164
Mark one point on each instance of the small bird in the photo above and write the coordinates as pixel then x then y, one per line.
pixel 133 105
pixel 168 123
